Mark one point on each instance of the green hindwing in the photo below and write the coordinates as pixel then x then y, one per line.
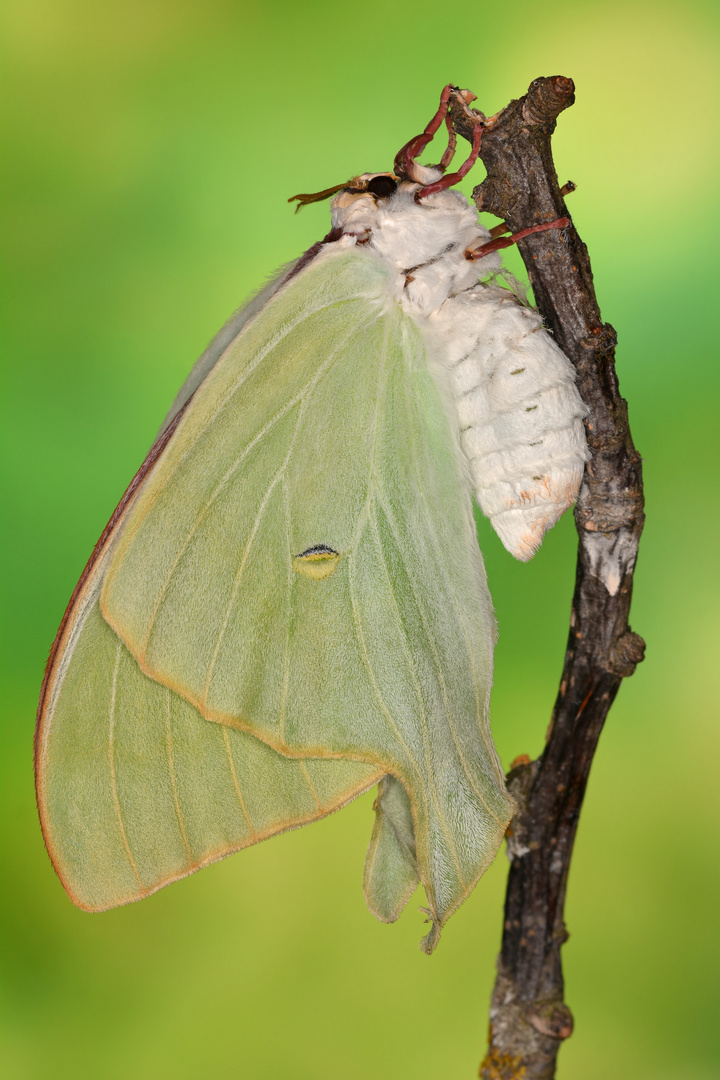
pixel 296 589
pixel 136 789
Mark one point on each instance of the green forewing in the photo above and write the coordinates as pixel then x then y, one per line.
pixel 220 342
pixel 322 426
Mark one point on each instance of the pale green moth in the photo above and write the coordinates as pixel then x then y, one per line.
pixel 289 604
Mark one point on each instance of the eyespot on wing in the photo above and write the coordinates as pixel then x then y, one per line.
pixel 317 562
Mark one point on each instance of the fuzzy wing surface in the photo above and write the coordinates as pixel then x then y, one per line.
pixel 322 427
pixel 136 789
pixel 224 337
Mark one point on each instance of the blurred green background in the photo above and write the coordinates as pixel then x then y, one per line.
pixel 150 149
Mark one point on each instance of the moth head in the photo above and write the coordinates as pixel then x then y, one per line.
pixel 362 194
pixel 370 186
pixel 356 205
pixel 373 202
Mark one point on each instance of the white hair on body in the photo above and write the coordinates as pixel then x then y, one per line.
pixel 518 414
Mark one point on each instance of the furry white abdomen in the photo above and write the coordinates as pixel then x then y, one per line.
pixel 519 412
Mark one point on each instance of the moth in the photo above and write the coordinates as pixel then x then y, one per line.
pixel 289 605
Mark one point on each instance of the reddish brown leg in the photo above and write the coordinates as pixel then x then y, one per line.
pixel 404 158
pixel 503 227
pixel 454 177
pixel 505 241
pixel 452 141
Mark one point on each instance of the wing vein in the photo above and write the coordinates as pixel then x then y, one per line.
pixel 373 681
pixel 204 510
pixel 291 585
pixel 113 775
pixel 263 354
pixel 372 472
pixel 306 774
pixel 438 671
pixel 302 397
pixel 421 706
pixel 233 773
pixel 173 780
pixel 362 524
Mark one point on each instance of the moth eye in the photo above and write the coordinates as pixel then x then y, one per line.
pixel 382 186
pixel 317 562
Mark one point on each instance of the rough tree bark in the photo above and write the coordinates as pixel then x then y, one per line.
pixel 528 1017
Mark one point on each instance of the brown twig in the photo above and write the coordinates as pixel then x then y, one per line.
pixel 529 1018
